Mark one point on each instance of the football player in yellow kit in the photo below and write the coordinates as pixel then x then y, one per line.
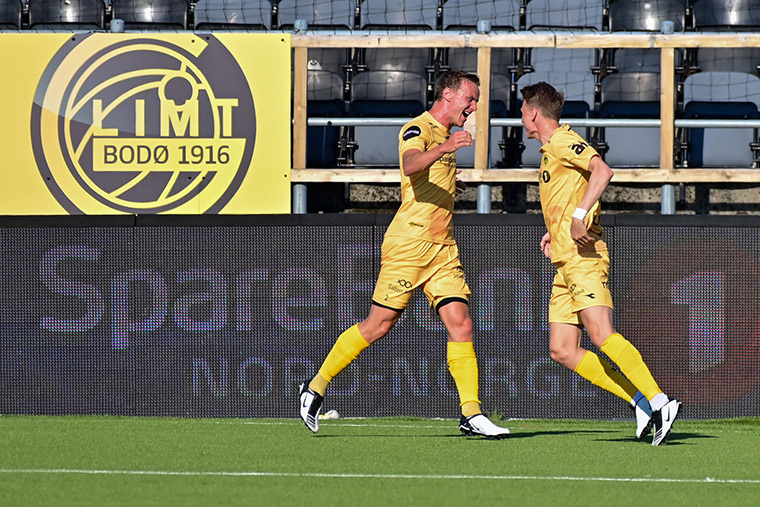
pixel 419 251
pixel 572 178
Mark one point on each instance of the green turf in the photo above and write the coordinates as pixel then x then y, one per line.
pixel 382 462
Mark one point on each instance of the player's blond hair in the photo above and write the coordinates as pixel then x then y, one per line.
pixel 545 98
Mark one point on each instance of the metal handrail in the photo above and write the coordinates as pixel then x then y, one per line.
pixel 516 122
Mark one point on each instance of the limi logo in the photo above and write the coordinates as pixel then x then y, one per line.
pixel 140 124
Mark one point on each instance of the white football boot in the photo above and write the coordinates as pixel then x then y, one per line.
pixel 481 425
pixel 310 403
pixel 664 419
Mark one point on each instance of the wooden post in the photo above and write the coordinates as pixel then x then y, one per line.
pixel 299 107
pixel 667 107
pixel 482 120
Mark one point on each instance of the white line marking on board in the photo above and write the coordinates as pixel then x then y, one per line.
pixel 706 480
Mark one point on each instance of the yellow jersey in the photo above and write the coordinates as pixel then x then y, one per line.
pixel 562 181
pixel 427 198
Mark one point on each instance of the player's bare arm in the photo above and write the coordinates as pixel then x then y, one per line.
pixel 546 246
pixel 601 174
pixel 416 161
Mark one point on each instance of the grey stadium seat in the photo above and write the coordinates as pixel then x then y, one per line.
pixel 632 95
pixel 646 15
pixel 398 14
pixel 69 14
pixel 152 14
pixel 320 14
pixel 384 94
pixel 736 15
pixel 721 95
pixel 570 14
pixel 465 14
pixel 233 15
pixel 10 14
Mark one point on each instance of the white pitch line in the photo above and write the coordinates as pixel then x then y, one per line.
pixel 706 480
pixel 297 422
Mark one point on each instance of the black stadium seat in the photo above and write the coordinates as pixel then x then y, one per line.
pixel 70 14
pixel 152 14
pixel 10 14
pixel 233 15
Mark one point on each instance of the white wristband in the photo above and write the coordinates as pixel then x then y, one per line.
pixel 580 213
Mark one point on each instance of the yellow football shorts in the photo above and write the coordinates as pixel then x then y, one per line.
pixel 409 263
pixel 581 282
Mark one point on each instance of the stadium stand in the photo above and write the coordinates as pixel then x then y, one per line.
pixel 398 15
pixel 631 95
pixel 568 70
pixel 233 15
pixel 384 94
pixel 646 15
pixel 11 14
pixel 320 14
pixel 67 14
pixel 152 14
pixel 398 59
pixel 564 14
pixel 464 14
pixel 722 95
pixel 324 99
pixel 726 14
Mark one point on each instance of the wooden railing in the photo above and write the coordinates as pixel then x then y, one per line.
pixel 481 173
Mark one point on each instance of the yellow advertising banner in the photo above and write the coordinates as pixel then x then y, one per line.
pixel 143 123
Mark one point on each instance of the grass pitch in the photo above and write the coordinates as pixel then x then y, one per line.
pixel 400 461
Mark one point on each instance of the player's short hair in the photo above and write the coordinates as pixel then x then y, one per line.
pixel 453 79
pixel 545 98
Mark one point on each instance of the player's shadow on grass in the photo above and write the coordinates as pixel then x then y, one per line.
pixel 512 436
pixel 531 434
pixel 675 438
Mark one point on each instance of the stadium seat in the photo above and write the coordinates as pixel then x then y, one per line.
pixel 397 59
pixel 398 14
pixel 467 59
pixel 627 60
pixel 386 94
pixel 721 95
pixel 632 95
pixel 69 14
pixel 579 97
pixel 11 14
pixel 324 99
pixel 465 14
pixel 564 14
pixel 745 60
pixel 330 59
pixel 646 15
pixel 736 15
pixel 320 14
pixel 233 15
pixel 151 14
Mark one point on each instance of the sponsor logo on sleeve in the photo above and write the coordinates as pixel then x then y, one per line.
pixel 411 132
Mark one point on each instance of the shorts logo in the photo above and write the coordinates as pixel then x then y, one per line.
pixel 143 125
pixel 404 283
pixel 411 132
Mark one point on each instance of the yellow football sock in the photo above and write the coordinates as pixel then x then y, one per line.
pixel 629 360
pixel 347 348
pixel 318 384
pixel 601 373
pixel 464 368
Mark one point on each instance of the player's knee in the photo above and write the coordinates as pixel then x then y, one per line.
pixel 561 355
pixel 462 328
